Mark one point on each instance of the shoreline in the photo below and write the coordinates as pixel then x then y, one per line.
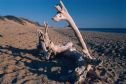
pixel 110 30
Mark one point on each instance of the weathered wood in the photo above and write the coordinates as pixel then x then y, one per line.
pixel 83 64
pixel 47 47
pixel 64 15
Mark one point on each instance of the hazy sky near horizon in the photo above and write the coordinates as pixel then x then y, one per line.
pixel 86 13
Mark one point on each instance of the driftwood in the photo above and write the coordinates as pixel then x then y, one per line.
pixel 47 47
pixel 83 62
pixel 64 15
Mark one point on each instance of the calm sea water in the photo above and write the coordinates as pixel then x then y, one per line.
pixel 114 30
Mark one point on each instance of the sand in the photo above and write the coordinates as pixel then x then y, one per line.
pixel 19 63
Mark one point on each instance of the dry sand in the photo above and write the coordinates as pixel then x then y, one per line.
pixel 19 63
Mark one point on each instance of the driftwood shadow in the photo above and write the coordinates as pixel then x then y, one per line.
pixel 58 68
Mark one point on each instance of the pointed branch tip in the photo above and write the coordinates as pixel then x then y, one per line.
pixel 63 6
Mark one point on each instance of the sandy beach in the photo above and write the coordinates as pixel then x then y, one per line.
pixel 19 63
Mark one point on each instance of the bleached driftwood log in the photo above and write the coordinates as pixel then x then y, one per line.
pixel 64 15
pixel 46 46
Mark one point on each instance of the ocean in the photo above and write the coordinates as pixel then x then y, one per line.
pixel 113 30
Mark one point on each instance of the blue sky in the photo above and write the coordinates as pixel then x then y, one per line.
pixel 86 13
